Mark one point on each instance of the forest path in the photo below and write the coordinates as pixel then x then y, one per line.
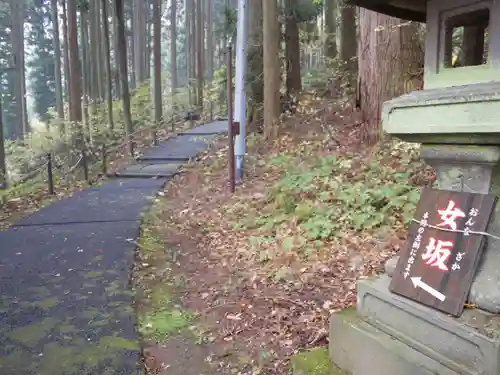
pixel 66 305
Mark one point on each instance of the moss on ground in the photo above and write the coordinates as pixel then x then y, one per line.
pixel 313 362
pixel 30 335
pixel 159 317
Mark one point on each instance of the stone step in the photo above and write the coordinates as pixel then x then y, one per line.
pixel 165 170
pixel 212 128
pixel 179 149
pixel 358 348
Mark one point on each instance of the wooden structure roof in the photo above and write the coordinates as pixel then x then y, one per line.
pixel 414 10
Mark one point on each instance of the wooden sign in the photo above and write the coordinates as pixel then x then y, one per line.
pixel 443 250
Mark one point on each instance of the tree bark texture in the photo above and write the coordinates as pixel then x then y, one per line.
pixel 292 50
pixel 157 61
pixel 57 60
pixel 107 65
pixel 122 44
pixel 199 54
pixel 330 47
pixel 173 46
pixel 391 60
pixel 255 64
pixel 66 55
pixel 74 63
pixel 348 38
pixel 271 68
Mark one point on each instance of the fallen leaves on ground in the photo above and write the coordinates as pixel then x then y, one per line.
pixel 267 266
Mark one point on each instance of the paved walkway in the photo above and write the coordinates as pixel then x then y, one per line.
pixel 65 300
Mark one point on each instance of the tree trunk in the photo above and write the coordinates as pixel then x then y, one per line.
pixel 189 47
pixel 57 60
pixel 131 55
pixel 115 52
pixel 148 40
pixel 330 48
pixel 255 64
pixel 271 69
pixel 26 125
pixel 139 41
pixel 84 42
pixel 95 55
pixel 199 54
pixel 157 61
pixel 389 55
pixel 122 44
pixel 88 61
pixel 173 47
pixel 66 55
pixel 210 42
pixel 192 44
pixel 292 45
pixel 99 51
pixel 74 63
pixel 348 39
pixel 17 36
pixel 107 60
pixel 3 168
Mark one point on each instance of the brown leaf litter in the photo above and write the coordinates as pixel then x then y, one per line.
pixel 281 305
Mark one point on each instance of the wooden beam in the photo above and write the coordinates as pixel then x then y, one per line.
pixel 414 10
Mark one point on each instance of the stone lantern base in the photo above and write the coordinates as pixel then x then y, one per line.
pixel 391 335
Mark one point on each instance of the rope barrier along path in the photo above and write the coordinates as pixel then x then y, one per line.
pixel 456 230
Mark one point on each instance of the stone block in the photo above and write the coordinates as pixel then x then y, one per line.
pixel 359 348
pixel 465 114
pixel 390 265
pixel 465 345
pixel 150 170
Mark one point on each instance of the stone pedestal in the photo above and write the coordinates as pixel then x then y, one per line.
pixel 398 336
pixel 389 334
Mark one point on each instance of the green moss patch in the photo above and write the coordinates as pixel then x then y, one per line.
pixel 30 335
pixel 161 318
pixel 313 362
pixel 47 303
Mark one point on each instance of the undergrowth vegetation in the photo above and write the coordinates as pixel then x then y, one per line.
pixel 314 213
pixel 60 136
pixel 317 199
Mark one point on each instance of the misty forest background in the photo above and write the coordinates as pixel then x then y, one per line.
pixel 77 74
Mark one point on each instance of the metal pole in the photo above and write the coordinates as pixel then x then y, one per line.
pixel 3 167
pixel 230 118
pixel 50 177
pixel 104 160
pixel 132 148
pixel 85 165
pixel 239 87
pixel 154 134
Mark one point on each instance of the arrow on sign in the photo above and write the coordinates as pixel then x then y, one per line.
pixel 418 283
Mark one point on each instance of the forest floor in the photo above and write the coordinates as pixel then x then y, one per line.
pixel 240 283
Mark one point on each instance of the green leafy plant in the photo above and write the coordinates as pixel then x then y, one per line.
pixel 332 196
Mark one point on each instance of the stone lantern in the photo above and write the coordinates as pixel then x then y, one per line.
pixel 456 118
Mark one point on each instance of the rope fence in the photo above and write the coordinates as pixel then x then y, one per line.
pixel 98 154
